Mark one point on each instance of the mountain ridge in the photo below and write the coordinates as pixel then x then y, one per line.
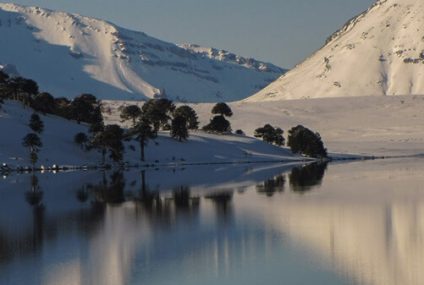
pixel 378 52
pixel 69 54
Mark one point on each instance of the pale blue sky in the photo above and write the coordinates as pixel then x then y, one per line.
pixel 279 31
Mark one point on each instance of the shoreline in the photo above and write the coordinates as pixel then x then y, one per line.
pixel 153 165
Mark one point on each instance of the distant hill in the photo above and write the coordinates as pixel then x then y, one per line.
pixel 379 52
pixel 70 54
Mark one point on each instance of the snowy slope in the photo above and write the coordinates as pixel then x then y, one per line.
pixel 380 52
pixel 370 125
pixel 59 148
pixel 367 125
pixel 69 54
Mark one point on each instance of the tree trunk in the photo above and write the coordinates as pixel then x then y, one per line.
pixel 142 149
pixel 103 156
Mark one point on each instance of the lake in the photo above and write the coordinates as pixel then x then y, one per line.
pixel 343 223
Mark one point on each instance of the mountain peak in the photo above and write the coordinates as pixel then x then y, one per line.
pixel 69 54
pixel 379 52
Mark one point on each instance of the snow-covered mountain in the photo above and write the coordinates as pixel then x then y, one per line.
pixel 379 52
pixel 68 54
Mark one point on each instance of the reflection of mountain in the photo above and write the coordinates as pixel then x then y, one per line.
pixel 373 232
pixel 363 223
pixel 374 244
pixel 177 231
pixel 167 237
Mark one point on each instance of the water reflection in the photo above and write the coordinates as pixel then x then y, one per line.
pixel 82 193
pixel 110 191
pixel 21 242
pixel 273 185
pixel 362 227
pixel 104 213
pixel 222 202
pixel 147 197
pixel 34 197
pixel 33 237
pixel 305 178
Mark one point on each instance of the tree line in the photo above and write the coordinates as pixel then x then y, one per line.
pixel 300 139
pixel 145 122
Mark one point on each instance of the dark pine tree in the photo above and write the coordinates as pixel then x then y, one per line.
pixel 266 133
pixel 189 114
pixel 179 129
pixel 110 139
pixel 270 134
pixel 218 124
pixel 33 142
pixel 131 112
pixel 143 132
pixel 304 141
pixel 36 124
pixel 222 109
pixel 63 107
pixel 85 108
pixel 158 112
pixel 44 102
pixel 81 139
pixel 22 89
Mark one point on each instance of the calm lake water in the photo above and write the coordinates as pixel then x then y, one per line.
pixel 352 223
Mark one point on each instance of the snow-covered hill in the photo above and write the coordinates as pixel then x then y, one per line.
pixel 380 52
pixel 366 125
pixel 59 148
pixel 69 54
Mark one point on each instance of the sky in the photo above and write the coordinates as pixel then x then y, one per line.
pixel 283 32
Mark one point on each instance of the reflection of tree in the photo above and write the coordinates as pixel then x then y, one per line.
pixel 39 227
pixel 271 186
pixel 181 196
pixel 184 202
pixel 166 211
pixel 34 196
pixel 89 219
pixel 223 204
pixel 112 191
pixel 305 178
pixel 33 239
pixel 147 198
pixel 30 241
pixel 82 193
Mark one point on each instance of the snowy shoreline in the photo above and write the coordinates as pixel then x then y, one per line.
pixel 349 127
pixel 158 166
pixel 67 168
